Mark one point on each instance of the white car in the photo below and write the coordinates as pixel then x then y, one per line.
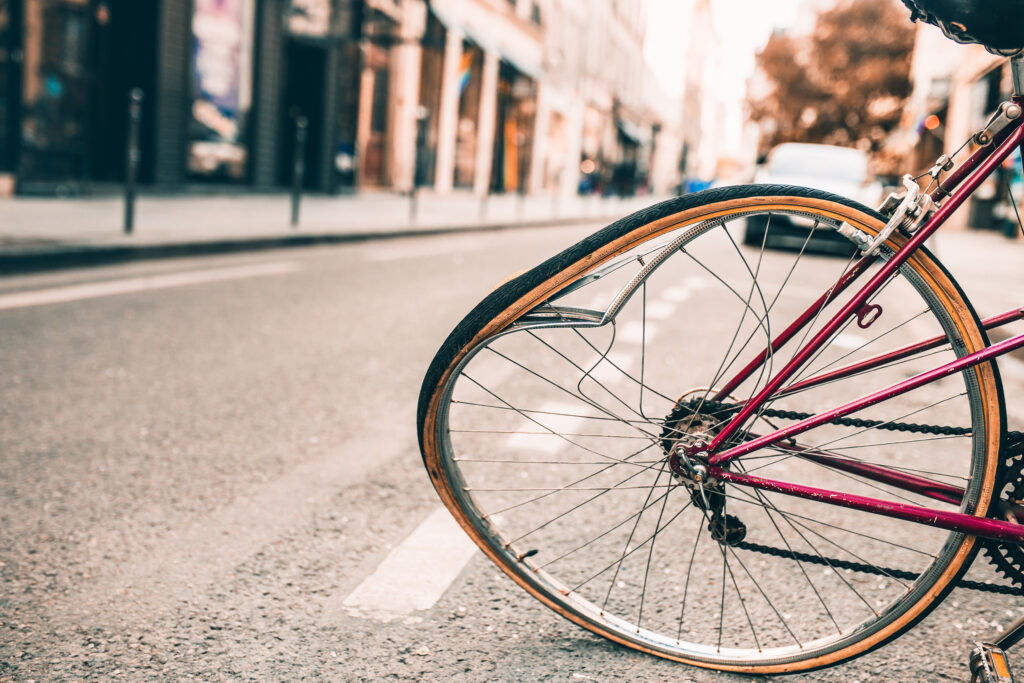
pixel 839 170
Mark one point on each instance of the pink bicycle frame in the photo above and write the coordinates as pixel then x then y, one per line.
pixel 960 184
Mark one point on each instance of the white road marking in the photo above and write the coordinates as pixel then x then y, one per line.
pixel 527 438
pixel 94 290
pixel 676 293
pixel 397 252
pixel 609 372
pixel 633 332
pixel 490 370
pixel 690 286
pixel 848 341
pixel 198 555
pixel 660 310
pixel 416 573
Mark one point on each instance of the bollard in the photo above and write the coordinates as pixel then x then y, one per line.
pixel 299 169
pixel 131 157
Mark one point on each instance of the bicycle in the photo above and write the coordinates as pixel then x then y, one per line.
pixel 781 496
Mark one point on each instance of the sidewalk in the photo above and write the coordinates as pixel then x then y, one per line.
pixel 37 234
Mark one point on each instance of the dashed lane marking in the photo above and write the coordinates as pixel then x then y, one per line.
pixel 416 573
pixel 635 332
pixel 849 342
pixel 660 310
pixel 454 247
pixel 94 290
pixel 690 286
pixel 533 435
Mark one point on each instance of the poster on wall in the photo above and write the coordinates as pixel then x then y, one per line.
pixel 221 88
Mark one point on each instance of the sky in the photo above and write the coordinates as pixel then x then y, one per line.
pixel 740 39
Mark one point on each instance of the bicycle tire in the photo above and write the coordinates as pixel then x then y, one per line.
pixel 505 312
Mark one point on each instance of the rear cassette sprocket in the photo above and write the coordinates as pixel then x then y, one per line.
pixel 1005 556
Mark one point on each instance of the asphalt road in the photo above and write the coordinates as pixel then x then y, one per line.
pixel 202 460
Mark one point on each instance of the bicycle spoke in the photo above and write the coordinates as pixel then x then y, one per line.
pixel 689 573
pixel 769 504
pixel 867 343
pixel 586 374
pixel 607 531
pixel 582 399
pixel 643 386
pixel 541 425
pixel 515 431
pixel 650 554
pixel 589 476
pixel 629 540
pixel 553 435
pixel 814 548
pixel 803 570
pixel 553 413
pixel 771 604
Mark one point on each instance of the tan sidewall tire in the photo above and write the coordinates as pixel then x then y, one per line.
pixel 959 310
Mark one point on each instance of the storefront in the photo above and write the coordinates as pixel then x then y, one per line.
pixel 224 82
pixel 10 89
pixel 470 81
pixel 66 70
pixel 429 110
pixel 221 69
pixel 513 141
pixel 67 82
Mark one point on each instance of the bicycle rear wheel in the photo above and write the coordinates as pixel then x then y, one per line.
pixel 547 417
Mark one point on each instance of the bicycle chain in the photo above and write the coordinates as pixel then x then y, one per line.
pixel 887 425
pixel 942 430
pixel 891 572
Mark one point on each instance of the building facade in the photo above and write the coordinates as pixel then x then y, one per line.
pixel 477 95
pixel 956 89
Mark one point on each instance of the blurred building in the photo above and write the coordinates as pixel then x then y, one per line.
pixel 956 89
pixel 481 95
pixel 610 128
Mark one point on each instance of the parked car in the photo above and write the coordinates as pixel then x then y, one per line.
pixel 841 170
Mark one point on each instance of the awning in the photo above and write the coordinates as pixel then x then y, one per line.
pixel 502 38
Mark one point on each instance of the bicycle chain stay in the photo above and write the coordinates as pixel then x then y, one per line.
pixel 836 563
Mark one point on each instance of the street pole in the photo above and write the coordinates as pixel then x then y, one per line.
pixel 522 173
pixel 419 161
pixel 299 166
pixel 131 157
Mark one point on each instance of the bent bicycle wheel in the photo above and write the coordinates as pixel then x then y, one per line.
pixel 548 417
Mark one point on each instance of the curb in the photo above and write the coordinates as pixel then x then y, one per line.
pixel 81 255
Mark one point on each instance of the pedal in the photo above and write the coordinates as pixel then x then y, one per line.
pixel 989 664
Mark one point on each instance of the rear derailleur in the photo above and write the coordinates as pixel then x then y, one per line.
pixel 708 495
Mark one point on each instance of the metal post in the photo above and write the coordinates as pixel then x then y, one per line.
pixel 131 157
pixel 299 166
pixel 419 162
pixel 522 173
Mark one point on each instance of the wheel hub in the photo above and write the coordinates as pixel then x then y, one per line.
pixel 686 435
